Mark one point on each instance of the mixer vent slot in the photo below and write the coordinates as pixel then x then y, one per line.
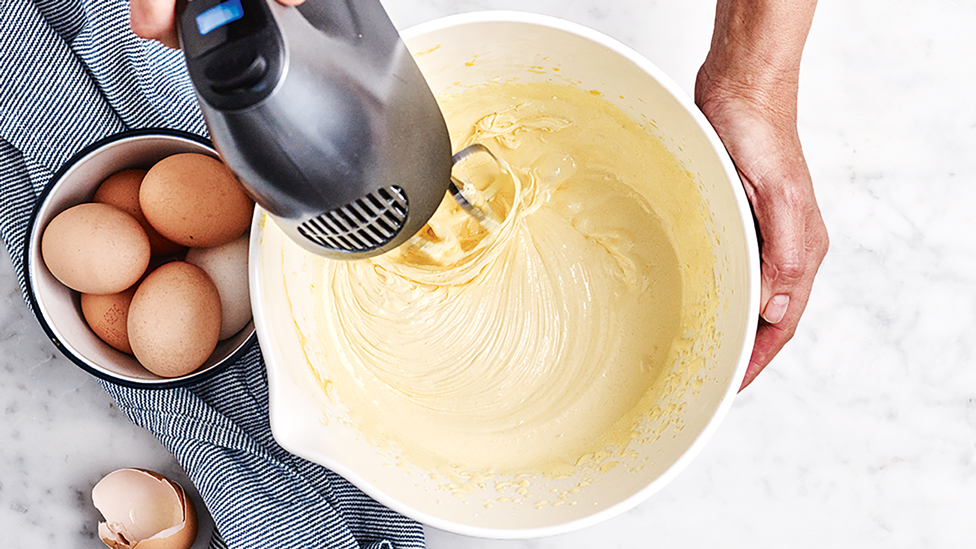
pixel 361 225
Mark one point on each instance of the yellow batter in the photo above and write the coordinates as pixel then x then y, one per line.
pixel 514 350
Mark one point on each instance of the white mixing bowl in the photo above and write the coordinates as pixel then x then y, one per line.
pixel 476 48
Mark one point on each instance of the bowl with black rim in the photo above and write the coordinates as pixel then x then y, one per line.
pixel 58 308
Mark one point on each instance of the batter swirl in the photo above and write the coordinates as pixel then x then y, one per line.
pixel 513 350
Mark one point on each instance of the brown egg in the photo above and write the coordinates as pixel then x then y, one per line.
pixel 95 249
pixel 107 316
pixel 174 319
pixel 195 200
pixel 122 191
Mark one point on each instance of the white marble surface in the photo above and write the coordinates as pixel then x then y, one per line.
pixel 862 433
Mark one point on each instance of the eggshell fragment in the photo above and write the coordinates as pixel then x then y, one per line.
pixel 174 319
pixel 195 200
pixel 107 315
pixel 227 267
pixel 95 249
pixel 145 510
pixel 122 191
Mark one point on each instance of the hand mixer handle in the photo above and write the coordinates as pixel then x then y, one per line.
pixel 336 18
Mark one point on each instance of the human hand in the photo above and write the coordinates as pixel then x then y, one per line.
pixel 758 127
pixel 156 19
pixel 747 88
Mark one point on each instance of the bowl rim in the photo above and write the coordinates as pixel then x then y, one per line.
pixel 29 265
pixel 725 404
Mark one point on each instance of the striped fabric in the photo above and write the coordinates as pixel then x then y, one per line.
pixel 73 73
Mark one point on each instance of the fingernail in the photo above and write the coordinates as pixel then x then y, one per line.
pixel 776 308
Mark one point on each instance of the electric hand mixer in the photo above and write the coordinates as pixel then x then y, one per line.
pixel 324 116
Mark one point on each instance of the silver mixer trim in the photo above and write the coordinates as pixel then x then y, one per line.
pixel 486 217
pixel 365 224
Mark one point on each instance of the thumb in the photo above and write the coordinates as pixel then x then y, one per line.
pixel 782 223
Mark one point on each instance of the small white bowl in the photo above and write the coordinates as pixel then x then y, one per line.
pixel 58 308
pixel 477 48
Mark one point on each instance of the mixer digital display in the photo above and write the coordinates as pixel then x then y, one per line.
pixel 219 15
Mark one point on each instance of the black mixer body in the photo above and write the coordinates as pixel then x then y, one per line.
pixel 324 116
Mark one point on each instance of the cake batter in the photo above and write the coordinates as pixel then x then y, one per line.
pixel 521 349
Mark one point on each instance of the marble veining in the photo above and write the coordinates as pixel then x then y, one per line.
pixel 862 432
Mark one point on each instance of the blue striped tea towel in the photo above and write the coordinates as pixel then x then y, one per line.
pixel 72 73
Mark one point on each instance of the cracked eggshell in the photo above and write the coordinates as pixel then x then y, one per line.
pixel 144 510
